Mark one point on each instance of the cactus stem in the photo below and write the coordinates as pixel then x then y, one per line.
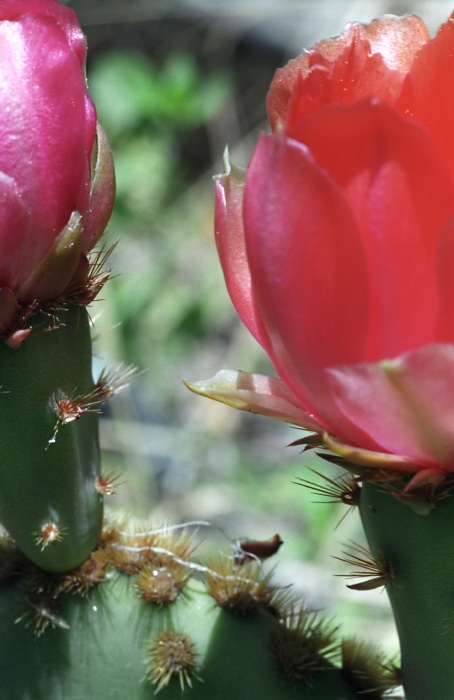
pixel 420 548
pixel 423 496
pixel 378 568
pixel 171 654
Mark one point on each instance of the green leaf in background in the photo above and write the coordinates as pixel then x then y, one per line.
pixel 131 91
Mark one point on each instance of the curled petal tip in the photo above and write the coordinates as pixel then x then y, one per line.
pixel 227 166
pixel 15 340
pixel 255 393
pixel 231 170
pixel 226 161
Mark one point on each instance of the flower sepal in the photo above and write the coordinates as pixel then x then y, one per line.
pixel 102 190
pixel 369 458
pixel 50 278
pixel 9 309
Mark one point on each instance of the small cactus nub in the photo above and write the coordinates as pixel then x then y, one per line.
pixel 240 588
pixel 48 533
pixel 301 644
pixel 163 584
pixel 368 671
pixel 171 655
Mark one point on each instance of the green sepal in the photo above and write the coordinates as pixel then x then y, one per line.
pixel 53 274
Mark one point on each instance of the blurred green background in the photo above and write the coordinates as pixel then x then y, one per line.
pixel 174 82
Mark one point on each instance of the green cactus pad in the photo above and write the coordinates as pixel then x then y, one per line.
pixel 418 550
pixel 90 633
pixel 48 466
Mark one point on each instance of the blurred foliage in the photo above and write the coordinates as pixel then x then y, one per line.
pixel 164 100
pixel 146 112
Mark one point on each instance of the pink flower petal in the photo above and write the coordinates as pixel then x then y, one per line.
pixel 256 393
pixel 445 326
pixel 308 269
pixel 44 113
pixel 405 405
pixel 231 245
pixel 16 227
pixel 65 17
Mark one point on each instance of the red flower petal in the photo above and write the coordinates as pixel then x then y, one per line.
pixel 428 92
pixel 16 228
pixel 307 266
pixel 401 195
pixel 65 17
pixel 365 61
pixel 231 245
pixel 445 326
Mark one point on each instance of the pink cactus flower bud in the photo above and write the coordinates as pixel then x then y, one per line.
pixel 56 175
pixel 337 247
